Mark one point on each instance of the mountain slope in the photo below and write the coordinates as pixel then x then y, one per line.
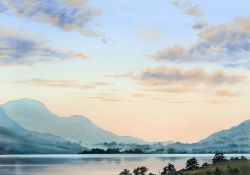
pixel 233 140
pixel 34 116
pixel 17 140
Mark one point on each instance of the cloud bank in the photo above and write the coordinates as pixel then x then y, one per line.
pixel 225 43
pixel 68 15
pixel 178 80
pixel 188 8
pixel 19 49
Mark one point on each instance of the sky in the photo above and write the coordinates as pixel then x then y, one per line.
pixel 158 70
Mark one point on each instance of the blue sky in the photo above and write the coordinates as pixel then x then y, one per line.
pixel 125 61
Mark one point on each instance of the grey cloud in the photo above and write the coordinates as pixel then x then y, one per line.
pixel 226 43
pixel 189 8
pixel 68 15
pixel 178 80
pixel 166 75
pixel 19 49
pixel 199 25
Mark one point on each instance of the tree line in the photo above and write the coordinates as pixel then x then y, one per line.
pixel 191 164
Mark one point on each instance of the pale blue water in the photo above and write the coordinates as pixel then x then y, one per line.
pixel 92 164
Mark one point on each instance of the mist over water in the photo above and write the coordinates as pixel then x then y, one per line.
pixel 93 164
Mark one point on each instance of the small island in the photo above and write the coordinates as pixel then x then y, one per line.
pixel 113 151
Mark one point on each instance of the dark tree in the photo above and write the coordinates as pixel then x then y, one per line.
pixel 170 168
pixel 219 157
pixel 140 170
pixel 217 171
pixel 192 164
pixel 125 172
pixel 171 150
pixel 205 164
pixel 243 158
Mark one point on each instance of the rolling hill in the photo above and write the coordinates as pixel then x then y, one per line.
pixel 34 116
pixel 17 140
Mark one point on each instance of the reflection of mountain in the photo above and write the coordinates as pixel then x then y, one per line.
pixel 34 116
pixel 15 139
pixel 234 140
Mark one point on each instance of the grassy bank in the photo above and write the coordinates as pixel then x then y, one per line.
pixel 220 166
pixel 230 167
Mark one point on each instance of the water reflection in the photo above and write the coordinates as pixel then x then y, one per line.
pixel 90 164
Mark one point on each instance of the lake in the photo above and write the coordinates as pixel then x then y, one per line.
pixel 93 164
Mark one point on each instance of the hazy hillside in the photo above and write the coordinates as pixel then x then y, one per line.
pixel 33 115
pixel 233 140
pixel 17 140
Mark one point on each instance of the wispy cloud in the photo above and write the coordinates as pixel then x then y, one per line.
pixel 21 49
pixel 191 9
pixel 188 8
pixel 199 25
pixel 166 75
pixel 225 93
pixel 177 80
pixel 69 15
pixel 226 43
pixel 62 83
pixel 107 97
pixel 150 34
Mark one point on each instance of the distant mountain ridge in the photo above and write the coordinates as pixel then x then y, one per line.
pixel 33 115
pixel 32 118
pixel 17 140
pixel 233 140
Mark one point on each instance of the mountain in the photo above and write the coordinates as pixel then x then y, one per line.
pixel 17 140
pixel 233 140
pixel 236 139
pixel 34 116
pixel 27 114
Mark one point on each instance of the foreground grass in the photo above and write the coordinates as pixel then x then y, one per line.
pixel 242 165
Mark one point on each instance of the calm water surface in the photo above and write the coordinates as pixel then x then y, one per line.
pixel 92 164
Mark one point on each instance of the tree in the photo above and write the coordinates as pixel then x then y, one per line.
pixel 140 170
pixel 170 168
pixel 219 157
pixel 125 172
pixel 192 164
pixel 205 164
pixel 217 171
pixel 171 150
pixel 243 158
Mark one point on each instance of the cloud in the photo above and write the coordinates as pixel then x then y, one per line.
pixel 61 83
pixel 225 93
pixel 188 8
pixel 199 25
pixel 108 97
pixel 226 43
pixel 68 15
pixel 20 49
pixel 150 34
pixel 171 53
pixel 78 55
pixel 166 75
pixel 177 80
